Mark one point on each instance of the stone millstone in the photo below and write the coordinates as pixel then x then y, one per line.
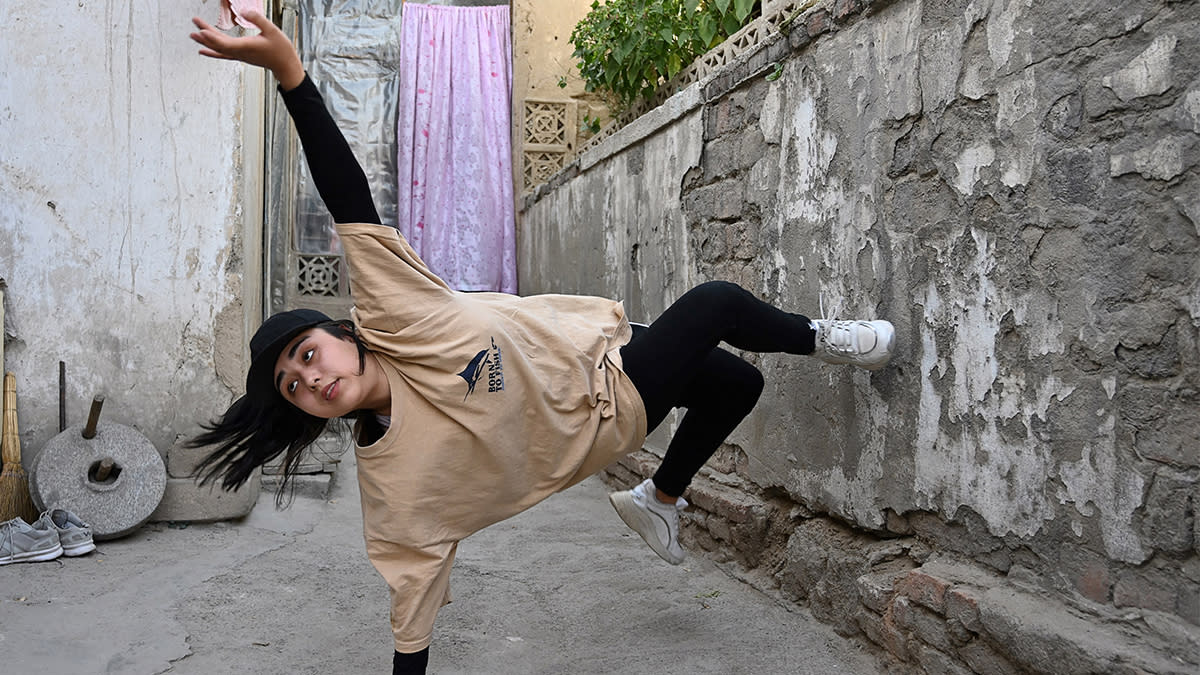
pixel 64 475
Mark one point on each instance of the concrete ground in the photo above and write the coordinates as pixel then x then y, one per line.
pixel 562 588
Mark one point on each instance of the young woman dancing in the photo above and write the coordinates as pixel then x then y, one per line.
pixel 469 408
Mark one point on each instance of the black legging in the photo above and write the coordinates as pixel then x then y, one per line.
pixel 675 362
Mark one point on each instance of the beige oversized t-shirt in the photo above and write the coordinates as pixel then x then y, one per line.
pixel 498 401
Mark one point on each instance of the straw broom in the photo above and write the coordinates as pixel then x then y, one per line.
pixel 14 485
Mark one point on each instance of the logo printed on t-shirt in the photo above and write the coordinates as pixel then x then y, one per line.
pixel 490 360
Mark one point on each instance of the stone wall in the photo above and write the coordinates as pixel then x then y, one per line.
pixel 1015 186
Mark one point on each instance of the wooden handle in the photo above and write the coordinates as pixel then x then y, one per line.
pixel 105 468
pixel 89 431
pixel 62 396
pixel 11 440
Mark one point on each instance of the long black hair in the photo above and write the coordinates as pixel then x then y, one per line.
pixel 261 425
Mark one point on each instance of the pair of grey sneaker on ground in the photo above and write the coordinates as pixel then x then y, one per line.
pixel 57 532
pixel 866 344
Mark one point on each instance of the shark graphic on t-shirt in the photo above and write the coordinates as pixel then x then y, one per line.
pixel 474 371
pixel 485 361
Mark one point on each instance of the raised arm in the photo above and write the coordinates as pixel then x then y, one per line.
pixel 336 172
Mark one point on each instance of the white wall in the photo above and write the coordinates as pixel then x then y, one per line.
pixel 126 221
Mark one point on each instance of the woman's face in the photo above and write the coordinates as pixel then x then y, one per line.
pixel 319 373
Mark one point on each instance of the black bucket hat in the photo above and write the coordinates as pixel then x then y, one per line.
pixel 269 340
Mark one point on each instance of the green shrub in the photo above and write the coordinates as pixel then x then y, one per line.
pixel 628 48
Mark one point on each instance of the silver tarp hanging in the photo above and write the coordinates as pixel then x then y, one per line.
pixel 352 49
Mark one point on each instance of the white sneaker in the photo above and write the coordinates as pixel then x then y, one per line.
pixel 866 344
pixel 656 522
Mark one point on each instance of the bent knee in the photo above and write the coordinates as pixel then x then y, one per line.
pixel 719 294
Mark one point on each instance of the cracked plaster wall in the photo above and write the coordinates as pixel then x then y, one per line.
pixel 122 236
pixel 1014 185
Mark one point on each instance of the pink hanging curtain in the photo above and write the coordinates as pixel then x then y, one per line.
pixel 454 163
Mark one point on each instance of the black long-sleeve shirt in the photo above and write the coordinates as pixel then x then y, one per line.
pixel 336 172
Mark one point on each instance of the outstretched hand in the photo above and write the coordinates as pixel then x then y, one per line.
pixel 269 49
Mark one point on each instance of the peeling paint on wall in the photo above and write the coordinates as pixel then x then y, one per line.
pixel 1147 75
pixel 808 162
pixel 1017 122
pixel 1099 481
pixel 1003 26
pixel 1162 161
pixel 970 164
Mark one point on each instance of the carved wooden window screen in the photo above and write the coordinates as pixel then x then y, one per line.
pixel 549 133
